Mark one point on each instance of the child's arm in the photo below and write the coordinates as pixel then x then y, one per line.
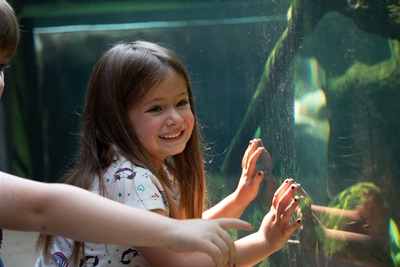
pixel 273 234
pixel 234 205
pixel 69 211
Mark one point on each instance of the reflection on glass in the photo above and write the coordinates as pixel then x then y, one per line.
pixel 317 81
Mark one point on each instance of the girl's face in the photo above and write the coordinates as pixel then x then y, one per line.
pixel 163 120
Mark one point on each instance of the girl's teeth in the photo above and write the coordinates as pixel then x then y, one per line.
pixel 170 136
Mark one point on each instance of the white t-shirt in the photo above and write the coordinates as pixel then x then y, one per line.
pixel 125 183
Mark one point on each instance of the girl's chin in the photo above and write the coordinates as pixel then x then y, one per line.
pixel 176 150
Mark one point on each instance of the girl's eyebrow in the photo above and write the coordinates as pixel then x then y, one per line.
pixel 152 100
pixel 156 99
pixel 184 93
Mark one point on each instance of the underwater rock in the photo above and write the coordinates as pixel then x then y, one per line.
pixel 374 16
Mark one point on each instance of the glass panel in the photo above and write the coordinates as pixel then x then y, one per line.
pixel 321 91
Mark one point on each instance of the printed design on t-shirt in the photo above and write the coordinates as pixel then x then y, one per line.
pixel 141 188
pixel 164 197
pixel 91 260
pixel 128 255
pixel 61 259
pixel 155 195
pixel 124 173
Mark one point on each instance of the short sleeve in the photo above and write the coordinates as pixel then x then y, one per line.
pixel 135 186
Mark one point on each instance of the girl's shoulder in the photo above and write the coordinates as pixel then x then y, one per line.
pixel 123 165
pixel 124 170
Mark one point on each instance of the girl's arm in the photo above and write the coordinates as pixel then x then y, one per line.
pixel 234 205
pixel 69 211
pixel 273 234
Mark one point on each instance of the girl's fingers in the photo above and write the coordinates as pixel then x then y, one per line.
pixel 246 153
pixel 280 191
pixel 290 209
pixel 252 162
pixel 250 149
pixel 293 226
pixel 286 199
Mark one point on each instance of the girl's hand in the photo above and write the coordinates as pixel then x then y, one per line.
pixel 234 205
pixel 250 180
pixel 276 225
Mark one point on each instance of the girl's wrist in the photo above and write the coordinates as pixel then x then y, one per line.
pixel 240 200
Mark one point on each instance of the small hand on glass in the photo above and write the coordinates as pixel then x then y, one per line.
pixel 277 225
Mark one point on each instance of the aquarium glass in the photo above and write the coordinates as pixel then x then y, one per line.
pixel 318 83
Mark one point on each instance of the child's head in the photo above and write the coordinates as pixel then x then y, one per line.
pixel 123 77
pixel 9 37
pixel 162 120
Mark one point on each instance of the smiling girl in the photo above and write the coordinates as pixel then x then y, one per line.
pixel 76 213
pixel 140 145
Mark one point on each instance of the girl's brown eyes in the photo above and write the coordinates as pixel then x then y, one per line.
pixel 182 103
pixel 158 108
pixel 154 109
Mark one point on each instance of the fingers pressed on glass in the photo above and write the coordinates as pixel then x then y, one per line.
pixel 249 151
pixel 246 153
pixel 286 198
pixel 280 191
pixel 252 163
pixel 291 208
pixel 293 226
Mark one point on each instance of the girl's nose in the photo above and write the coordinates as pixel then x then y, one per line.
pixel 174 117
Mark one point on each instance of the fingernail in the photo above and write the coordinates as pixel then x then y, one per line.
pixel 295 199
pixel 292 187
pixel 286 181
pixel 259 173
pixel 298 220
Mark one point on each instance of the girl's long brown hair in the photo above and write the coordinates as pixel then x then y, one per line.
pixel 121 78
pixel 9 30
